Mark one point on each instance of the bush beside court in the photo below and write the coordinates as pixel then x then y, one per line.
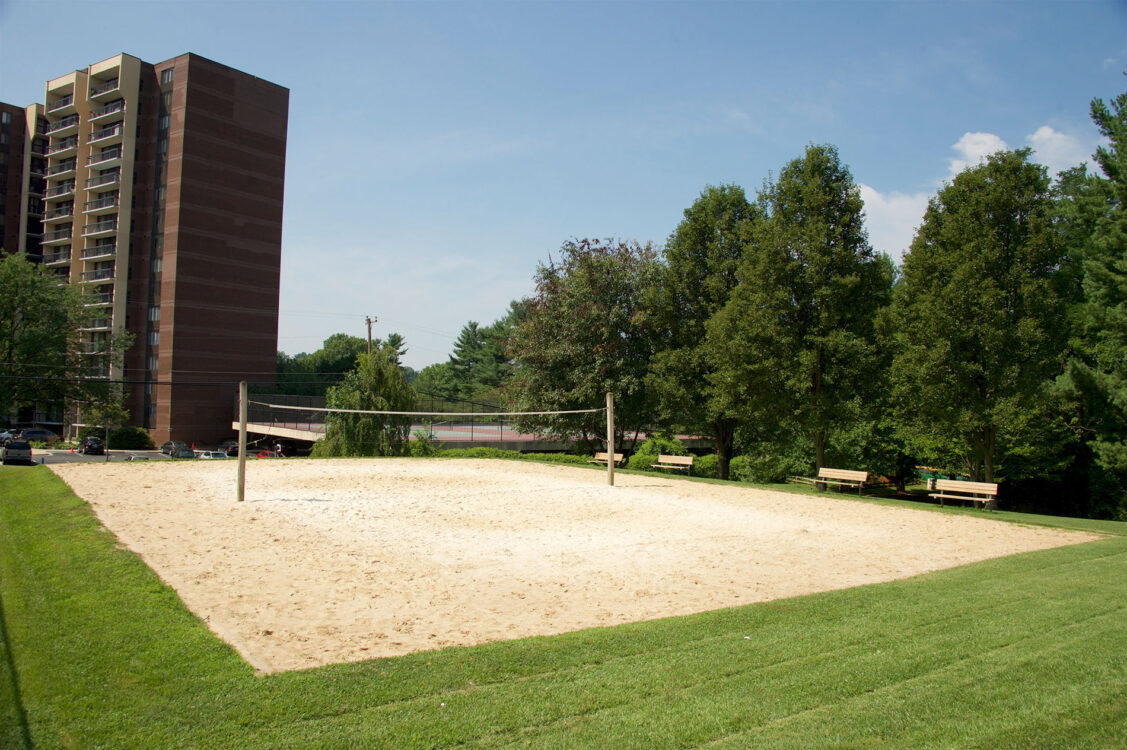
pixel 1015 652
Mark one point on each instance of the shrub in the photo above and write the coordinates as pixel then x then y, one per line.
pixel 480 452
pixel 424 443
pixel 558 458
pixel 706 466
pixel 129 438
pixel 661 443
pixel 764 469
pixel 641 461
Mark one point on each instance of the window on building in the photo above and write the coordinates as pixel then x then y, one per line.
pixel 166 76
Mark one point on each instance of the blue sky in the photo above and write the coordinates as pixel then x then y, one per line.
pixel 439 151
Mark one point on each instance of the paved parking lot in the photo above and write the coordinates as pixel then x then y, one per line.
pixel 54 456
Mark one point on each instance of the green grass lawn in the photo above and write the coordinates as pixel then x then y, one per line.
pixel 1025 651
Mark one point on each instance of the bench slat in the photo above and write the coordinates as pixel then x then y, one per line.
pixel 856 476
pixel 840 477
pixel 974 488
pixel 673 462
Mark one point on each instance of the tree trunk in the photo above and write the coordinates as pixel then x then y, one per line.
pixel 725 432
pixel 819 456
pixel 988 454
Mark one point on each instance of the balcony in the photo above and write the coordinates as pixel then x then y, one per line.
pixel 98 274
pixel 61 126
pixel 101 250
pixel 98 324
pixel 103 179
pixel 97 299
pixel 61 104
pixel 38 167
pixel 63 167
pixel 58 213
pixel 36 188
pixel 107 226
pixel 105 134
pixel 63 188
pixel 65 145
pixel 57 256
pixel 100 88
pixel 39 148
pixel 110 109
pixel 107 158
pixel 59 235
pixel 101 204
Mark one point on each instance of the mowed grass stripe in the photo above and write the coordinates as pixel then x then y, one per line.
pixel 687 663
pixel 776 694
pixel 160 679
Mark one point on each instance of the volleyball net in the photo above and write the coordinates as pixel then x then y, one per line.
pixel 377 429
pixel 454 425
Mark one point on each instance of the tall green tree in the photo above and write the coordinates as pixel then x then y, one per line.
pixel 1093 211
pixel 978 316
pixel 586 332
pixel 42 358
pixel 38 320
pixel 478 363
pixel 702 259
pixel 376 383
pixel 796 340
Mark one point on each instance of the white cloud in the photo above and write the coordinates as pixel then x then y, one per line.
pixel 1058 151
pixel 892 219
pixel 973 148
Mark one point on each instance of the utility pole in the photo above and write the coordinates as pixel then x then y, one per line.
pixel 369 321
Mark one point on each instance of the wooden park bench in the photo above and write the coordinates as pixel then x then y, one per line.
pixel 601 458
pixel 974 492
pixel 679 463
pixel 840 477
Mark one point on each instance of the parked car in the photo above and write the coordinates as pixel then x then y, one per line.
pixel 213 454
pixel 35 433
pixel 92 446
pixel 16 452
pixel 7 435
pixel 184 452
pixel 171 447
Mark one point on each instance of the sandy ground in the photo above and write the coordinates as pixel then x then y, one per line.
pixel 344 560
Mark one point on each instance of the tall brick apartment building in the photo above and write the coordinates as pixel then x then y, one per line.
pixel 159 188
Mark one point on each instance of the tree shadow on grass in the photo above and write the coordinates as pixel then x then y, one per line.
pixel 14 730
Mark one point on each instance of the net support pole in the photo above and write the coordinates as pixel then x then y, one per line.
pixel 610 439
pixel 242 439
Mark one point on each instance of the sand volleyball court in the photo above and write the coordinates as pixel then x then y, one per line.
pixel 350 559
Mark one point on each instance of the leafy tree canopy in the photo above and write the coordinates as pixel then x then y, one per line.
pixel 702 259
pixel 978 315
pixel 376 383
pixel 585 332
pixel 795 340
